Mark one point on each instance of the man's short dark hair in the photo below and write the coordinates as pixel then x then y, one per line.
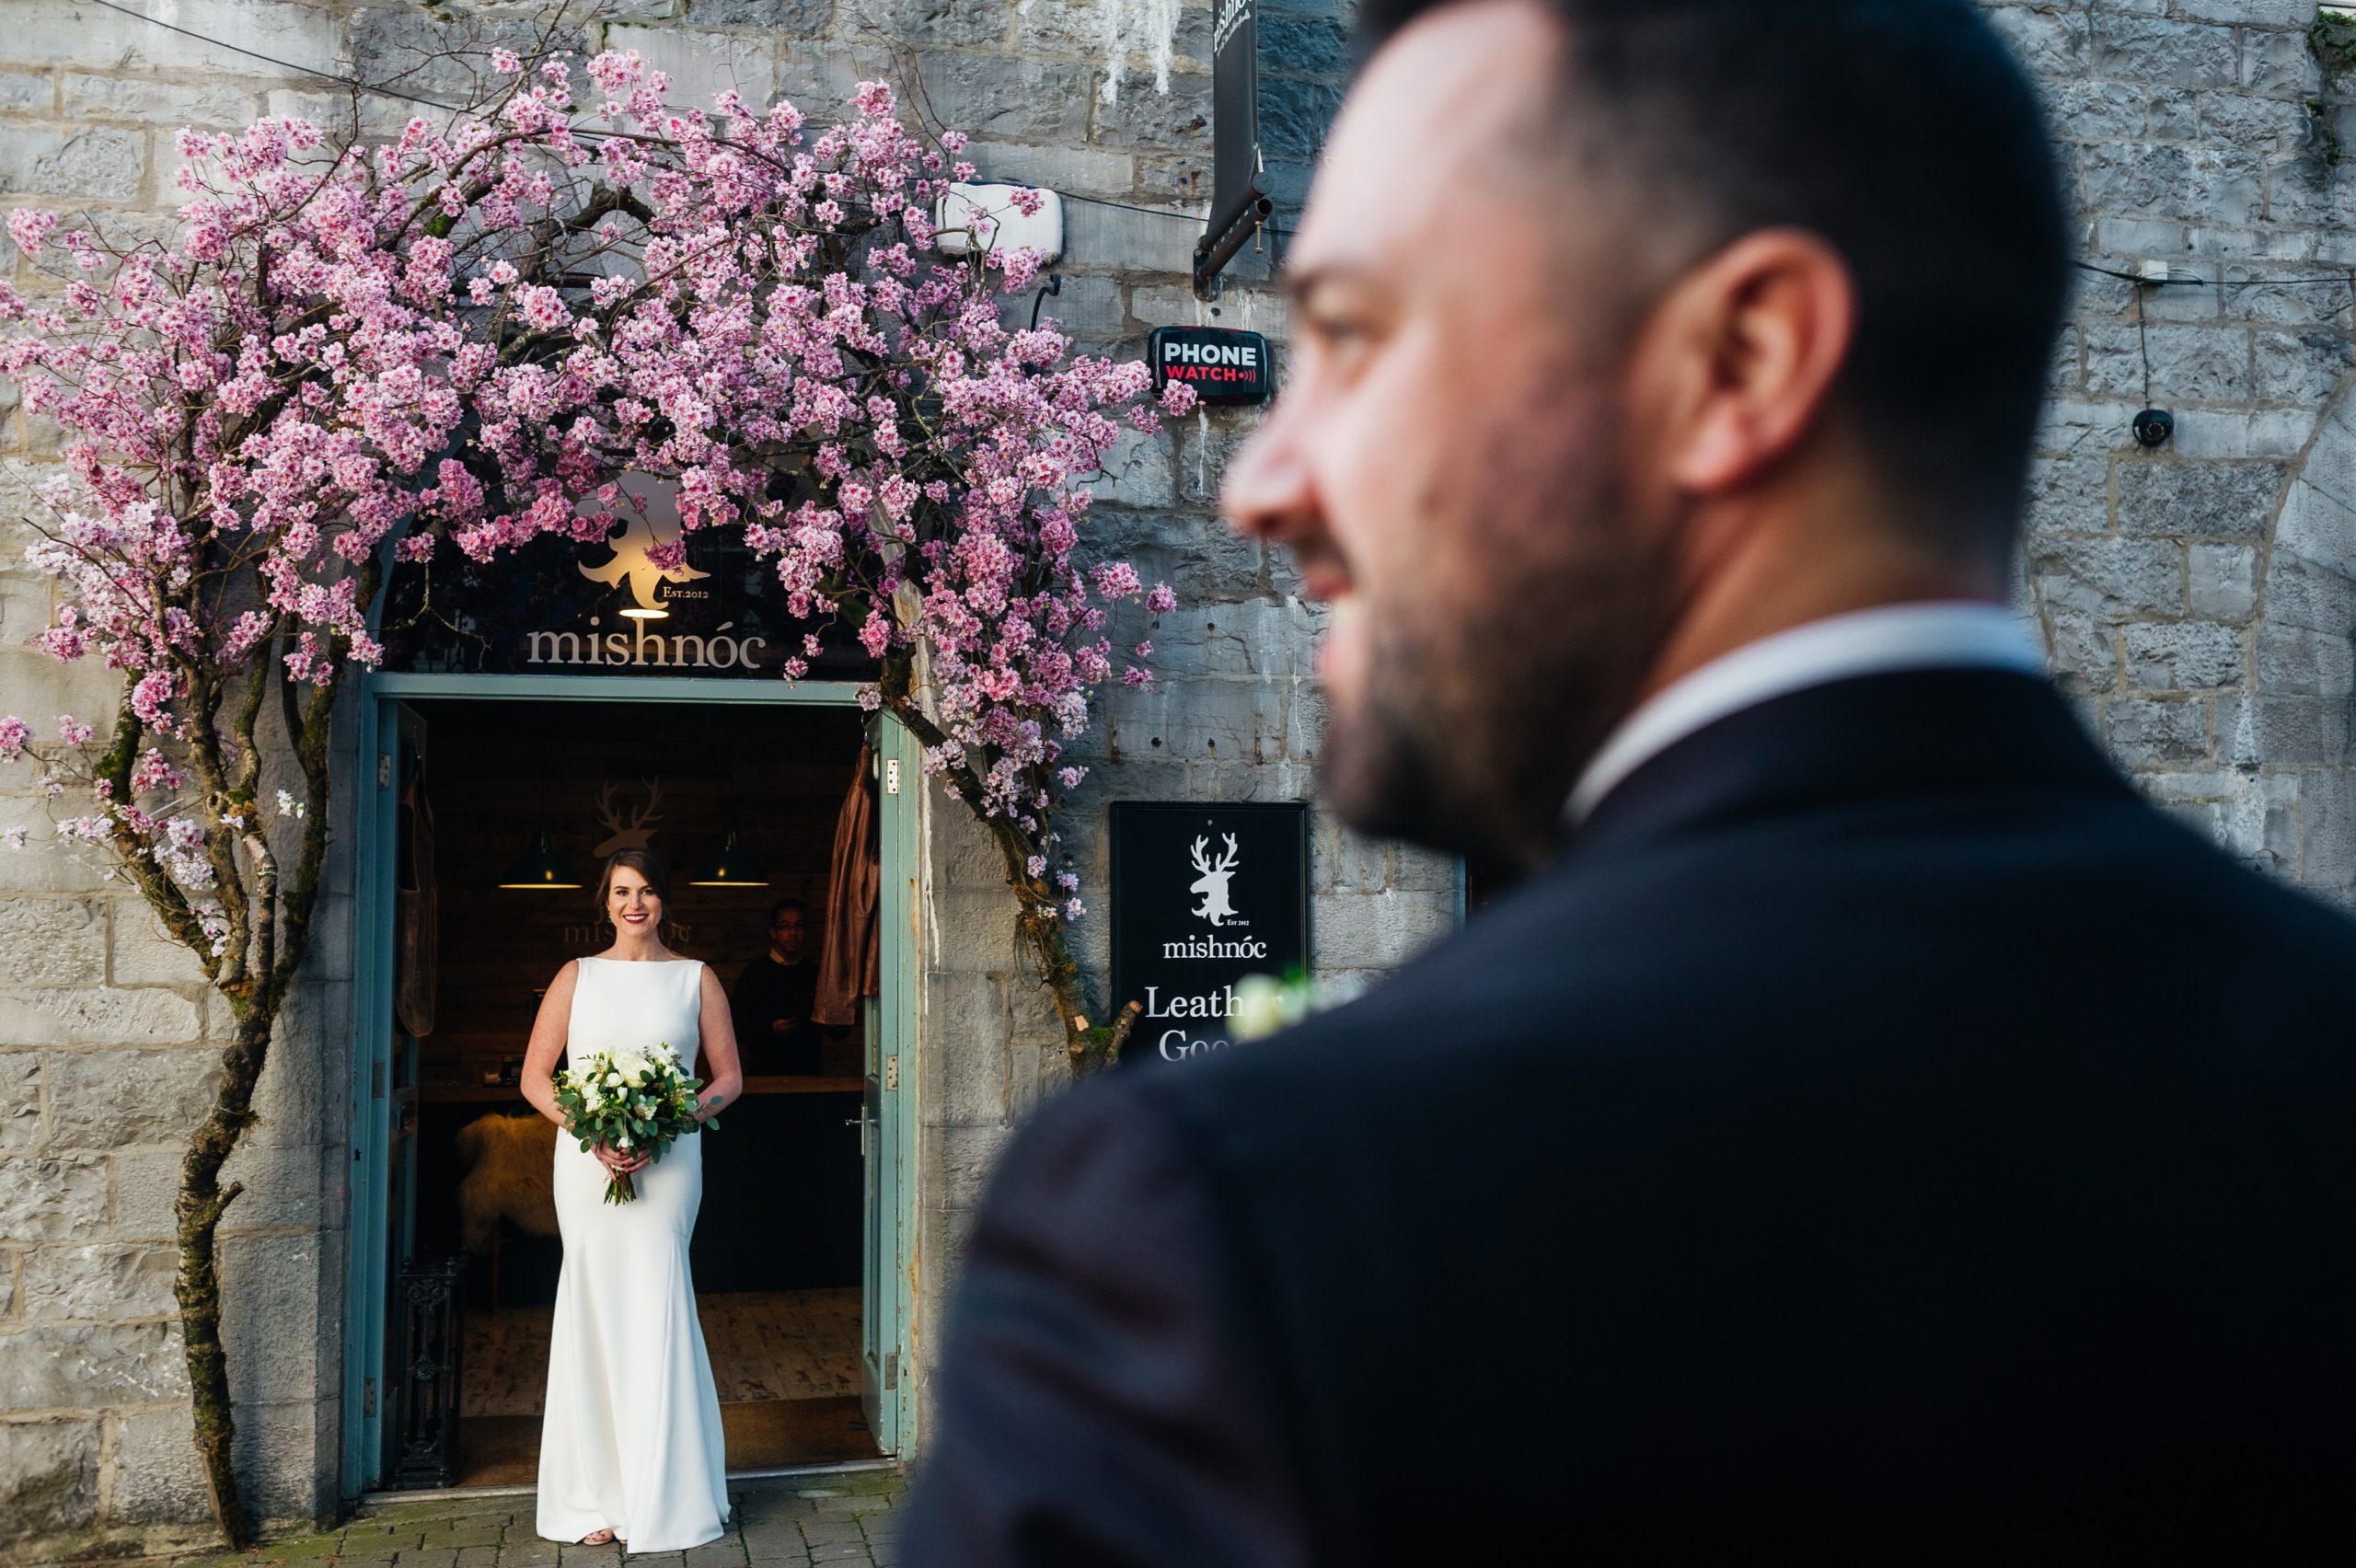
pixel 1901 132
pixel 782 905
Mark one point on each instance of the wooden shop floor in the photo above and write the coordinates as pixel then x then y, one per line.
pixel 786 1363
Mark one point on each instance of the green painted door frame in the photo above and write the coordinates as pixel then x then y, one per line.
pixel 891 1141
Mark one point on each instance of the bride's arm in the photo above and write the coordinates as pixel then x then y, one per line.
pixel 719 1032
pixel 548 1044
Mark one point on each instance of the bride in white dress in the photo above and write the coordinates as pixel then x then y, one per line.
pixel 631 1447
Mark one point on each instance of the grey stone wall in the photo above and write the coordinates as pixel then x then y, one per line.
pixel 2197 598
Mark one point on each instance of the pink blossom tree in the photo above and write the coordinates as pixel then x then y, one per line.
pixel 461 340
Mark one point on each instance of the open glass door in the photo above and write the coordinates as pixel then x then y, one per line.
pixel 880 1134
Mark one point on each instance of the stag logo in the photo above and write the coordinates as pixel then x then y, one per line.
pixel 630 834
pixel 1212 884
pixel 641 534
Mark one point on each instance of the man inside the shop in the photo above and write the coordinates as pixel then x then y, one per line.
pixel 1872 1132
pixel 771 1003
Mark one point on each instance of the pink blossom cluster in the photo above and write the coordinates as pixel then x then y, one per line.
pixel 463 338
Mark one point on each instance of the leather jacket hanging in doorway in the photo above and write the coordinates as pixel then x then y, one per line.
pixel 848 966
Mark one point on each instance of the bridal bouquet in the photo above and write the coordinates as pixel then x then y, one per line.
pixel 628 1100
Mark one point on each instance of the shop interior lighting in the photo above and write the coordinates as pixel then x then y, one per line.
pixel 542 868
pixel 732 867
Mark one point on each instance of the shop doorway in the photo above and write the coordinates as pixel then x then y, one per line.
pixel 797 1249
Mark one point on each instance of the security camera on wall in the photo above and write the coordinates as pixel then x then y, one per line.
pixel 1008 227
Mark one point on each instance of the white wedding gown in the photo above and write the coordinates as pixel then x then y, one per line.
pixel 631 1440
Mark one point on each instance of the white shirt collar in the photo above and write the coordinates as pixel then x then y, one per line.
pixel 1895 637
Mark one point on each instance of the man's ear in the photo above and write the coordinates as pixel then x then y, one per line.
pixel 1739 357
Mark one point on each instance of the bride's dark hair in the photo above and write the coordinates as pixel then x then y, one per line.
pixel 647 864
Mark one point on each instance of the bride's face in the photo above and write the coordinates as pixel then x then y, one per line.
pixel 631 903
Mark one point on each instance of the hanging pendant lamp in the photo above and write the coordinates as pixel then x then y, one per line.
pixel 732 867
pixel 541 867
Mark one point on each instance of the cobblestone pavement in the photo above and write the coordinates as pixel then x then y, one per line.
pixel 791 1521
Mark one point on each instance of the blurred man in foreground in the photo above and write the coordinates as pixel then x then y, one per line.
pixel 1871 1129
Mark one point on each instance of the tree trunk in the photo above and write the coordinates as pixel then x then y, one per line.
pixel 202 1200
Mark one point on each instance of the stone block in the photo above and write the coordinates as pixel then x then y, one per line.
pixel 157 1469
pixel 797 19
pixel 167 105
pixel 145 954
pixel 102 1099
pixel 62 1016
pixel 49 1477
pixel 20 1123
pixel 2259 13
pixel 2301 367
pixel 2080 650
pixel 2143 735
pixel 2111 577
pixel 2280 66
pixel 55 1198
pixel 2318 526
pixel 2281 731
pixel 2190 365
pixel 62 33
pixel 1067 170
pixel 1136 471
pixel 1176 122
pixel 53 941
pixel 1089 309
pixel 991 98
pixel 2195 498
pixel 99 1282
pixel 1304 46
pixel 2070 495
pixel 1218 720
pixel 270 1294
pixel 96 163
pixel 27 92
pixel 91 1366
pixel 1377 930
pixel 1295 115
pixel 1141 239
pixel 967 1027
pixel 1347 861
pixel 703 65
pixel 1208 564
pixel 973 932
pixel 968 1156
pixel 1417 869
pixel 2047 42
pixel 2152 50
pixel 2191 184
pixel 2222 581
pixel 2295 661
pixel 283 1186
pixel 2301 593
pixel 431 57
pixel 2183 656
pixel 146 1184
pixel 2090 111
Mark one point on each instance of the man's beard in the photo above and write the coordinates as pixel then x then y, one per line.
pixel 1478 717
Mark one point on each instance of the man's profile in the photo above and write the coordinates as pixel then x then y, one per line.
pixel 1794 1162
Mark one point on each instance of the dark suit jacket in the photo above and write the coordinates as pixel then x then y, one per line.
pixel 1882 1135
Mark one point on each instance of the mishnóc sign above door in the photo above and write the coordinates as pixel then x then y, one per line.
pixel 556 607
pixel 1203 893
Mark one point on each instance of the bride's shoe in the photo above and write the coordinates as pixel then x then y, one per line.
pixel 598 1538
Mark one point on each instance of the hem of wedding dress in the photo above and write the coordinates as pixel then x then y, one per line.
pixel 525 1489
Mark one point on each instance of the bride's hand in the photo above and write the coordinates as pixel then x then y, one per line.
pixel 618 1163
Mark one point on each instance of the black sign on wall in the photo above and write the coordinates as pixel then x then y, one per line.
pixel 1238 205
pixel 1204 893
pixel 1221 363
